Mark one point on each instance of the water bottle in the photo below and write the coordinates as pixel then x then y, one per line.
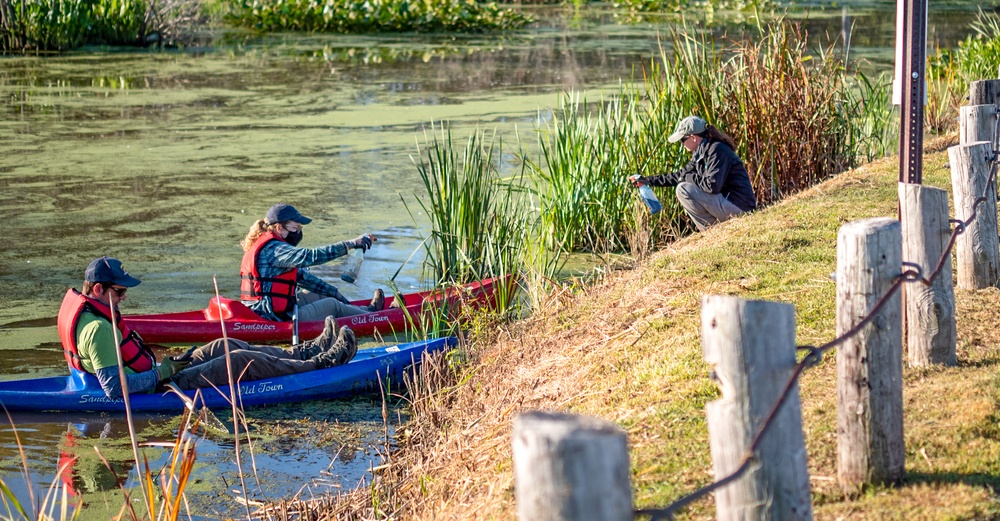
pixel 650 199
pixel 352 266
pixel 647 194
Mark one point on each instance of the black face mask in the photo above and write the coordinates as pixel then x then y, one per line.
pixel 294 238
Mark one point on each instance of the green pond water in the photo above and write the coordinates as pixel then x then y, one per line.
pixel 165 158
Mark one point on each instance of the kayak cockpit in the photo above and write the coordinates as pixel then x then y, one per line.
pixel 230 310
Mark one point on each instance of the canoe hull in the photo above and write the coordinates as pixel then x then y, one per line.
pixel 81 392
pixel 204 325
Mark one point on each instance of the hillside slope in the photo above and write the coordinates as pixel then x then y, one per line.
pixel 628 350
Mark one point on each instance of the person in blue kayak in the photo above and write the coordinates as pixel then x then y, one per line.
pixel 92 333
pixel 273 274
pixel 714 186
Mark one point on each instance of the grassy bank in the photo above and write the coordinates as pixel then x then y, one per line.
pixel 628 350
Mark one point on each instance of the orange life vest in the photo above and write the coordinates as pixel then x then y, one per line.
pixel 135 355
pixel 282 293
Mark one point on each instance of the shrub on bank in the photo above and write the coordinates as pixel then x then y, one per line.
pixel 372 16
pixel 60 25
pixel 978 56
pixel 66 24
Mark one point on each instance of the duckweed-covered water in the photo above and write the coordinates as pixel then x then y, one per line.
pixel 165 158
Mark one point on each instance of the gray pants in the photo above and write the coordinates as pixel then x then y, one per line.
pixel 208 364
pixel 313 307
pixel 705 209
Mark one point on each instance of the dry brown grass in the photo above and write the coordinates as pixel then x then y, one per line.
pixel 627 349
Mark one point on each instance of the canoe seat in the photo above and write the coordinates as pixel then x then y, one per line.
pixel 231 309
pixel 81 381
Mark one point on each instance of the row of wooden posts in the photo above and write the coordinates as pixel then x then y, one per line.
pixel 570 467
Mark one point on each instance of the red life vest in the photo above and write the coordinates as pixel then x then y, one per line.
pixel 135 355
pixel 282 293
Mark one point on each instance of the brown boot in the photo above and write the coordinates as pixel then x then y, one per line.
pixel 321 343
pixel 340 353
pixel 346 346
pixel 378 301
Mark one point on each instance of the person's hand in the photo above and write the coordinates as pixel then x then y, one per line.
pixel 636 180
pixel 169 367
pixel 363 242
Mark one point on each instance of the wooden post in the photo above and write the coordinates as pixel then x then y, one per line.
pixel 984 92
pixel 870 446
pixel 976 249
pixel 570 468
pixel 751 346
pixel 976 123
pixel 929 311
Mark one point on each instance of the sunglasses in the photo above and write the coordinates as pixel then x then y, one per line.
pixel 685 138
pixel 119 291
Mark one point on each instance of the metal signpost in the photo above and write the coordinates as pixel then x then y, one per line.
pixel 911 50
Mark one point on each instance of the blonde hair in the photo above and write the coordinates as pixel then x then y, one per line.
pixel 256 230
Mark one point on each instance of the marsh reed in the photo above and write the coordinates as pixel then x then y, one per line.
pixel 798 115
pixel 478 226
pixel 60 25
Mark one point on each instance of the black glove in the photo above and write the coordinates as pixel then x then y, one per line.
pixel 363 242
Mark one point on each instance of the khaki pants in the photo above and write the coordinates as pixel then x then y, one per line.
pixel 313 307
pixel 208 364
pixel 703 208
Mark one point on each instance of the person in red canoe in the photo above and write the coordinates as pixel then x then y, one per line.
pixel 89 329
pixel 273 275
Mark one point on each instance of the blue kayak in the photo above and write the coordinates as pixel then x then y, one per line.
pixel 82 392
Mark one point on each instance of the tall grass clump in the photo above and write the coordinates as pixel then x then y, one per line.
pixel 784 104
pixel 479 225
pixel 798 116
pixel 587 153
pixel 373 16
pixel 873 131
pixel 978 56
pixel 59 25
pixel 949 72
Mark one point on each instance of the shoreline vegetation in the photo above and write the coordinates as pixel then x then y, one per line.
pixel 627 349
pixel 624 345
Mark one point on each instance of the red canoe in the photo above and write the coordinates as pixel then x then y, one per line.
pixel 242 323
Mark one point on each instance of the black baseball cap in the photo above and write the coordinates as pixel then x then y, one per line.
pixel 109 269
pixel 282 212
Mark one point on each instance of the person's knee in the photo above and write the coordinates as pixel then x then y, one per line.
pixel 687 195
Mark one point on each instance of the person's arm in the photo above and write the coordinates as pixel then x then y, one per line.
pixel 96 344
pixel 318 286
pixel 286 256
pixel 670 179
pixel 137 382
pixel 719 159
